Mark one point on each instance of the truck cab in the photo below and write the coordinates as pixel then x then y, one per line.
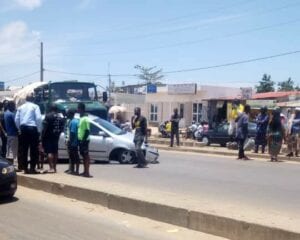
pixel 67 94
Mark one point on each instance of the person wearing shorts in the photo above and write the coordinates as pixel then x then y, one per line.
pixel 52 128
pixel 84 139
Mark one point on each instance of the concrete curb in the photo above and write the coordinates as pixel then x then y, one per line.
pixel 207 223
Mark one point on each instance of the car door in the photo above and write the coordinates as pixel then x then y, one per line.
pixel 221 135
pixel 100 146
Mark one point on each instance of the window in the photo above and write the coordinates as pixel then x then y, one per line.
pixel 73 91
pixel 181 110
pixel 94 130
pixel 197 110
pixel 153 113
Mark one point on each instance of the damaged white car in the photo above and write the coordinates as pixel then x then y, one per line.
pixel 108 142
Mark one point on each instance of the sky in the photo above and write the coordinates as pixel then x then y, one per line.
pixel 112 36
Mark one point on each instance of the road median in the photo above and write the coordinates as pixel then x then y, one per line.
pixel 160 206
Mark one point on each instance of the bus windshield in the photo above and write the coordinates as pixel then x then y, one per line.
pixel 73 91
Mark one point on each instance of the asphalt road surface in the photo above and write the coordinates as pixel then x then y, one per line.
pixel 264 184
pixel 35 215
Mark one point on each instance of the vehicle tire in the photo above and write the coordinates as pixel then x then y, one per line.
pixel 223 144
pixel 206 141
pixel 125 156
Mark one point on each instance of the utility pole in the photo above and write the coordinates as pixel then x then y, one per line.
pixel 109 82
pixel 42 63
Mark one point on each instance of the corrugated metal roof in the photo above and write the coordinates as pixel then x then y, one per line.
pixel 269 95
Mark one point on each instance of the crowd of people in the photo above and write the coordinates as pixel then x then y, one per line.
pixel 272 131
pixel 24 132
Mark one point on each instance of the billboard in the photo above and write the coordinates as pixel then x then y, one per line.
pixel 151 88
pixel 185 88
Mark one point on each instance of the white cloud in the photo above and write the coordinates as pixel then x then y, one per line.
pixel 28 4
pixel 18 43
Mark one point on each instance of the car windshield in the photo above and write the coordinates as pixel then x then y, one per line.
pixel 109 127
pixel 73 92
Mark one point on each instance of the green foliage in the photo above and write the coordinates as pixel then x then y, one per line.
pixel 287 85
pixel 149 74
pixel 265 84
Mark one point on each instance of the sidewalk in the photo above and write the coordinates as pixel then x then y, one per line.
pixel 213 217
pixel 189 145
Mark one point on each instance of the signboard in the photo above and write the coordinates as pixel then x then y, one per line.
pixel 151 88
pixel 246 93
pixel 2 86
pixel 188 88
pixel 256 104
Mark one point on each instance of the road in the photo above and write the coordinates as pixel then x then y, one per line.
pixel 265 185
pixel 35 215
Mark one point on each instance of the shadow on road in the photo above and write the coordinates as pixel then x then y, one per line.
pixel 8 200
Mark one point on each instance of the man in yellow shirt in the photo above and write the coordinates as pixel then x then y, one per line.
pixel 236 111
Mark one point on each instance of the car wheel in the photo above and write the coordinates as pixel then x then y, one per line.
pixel 125 156
pixel 205 140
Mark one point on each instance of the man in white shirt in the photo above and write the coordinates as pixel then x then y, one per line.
pixel 29 122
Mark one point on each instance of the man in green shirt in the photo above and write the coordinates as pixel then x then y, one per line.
pixel 84 139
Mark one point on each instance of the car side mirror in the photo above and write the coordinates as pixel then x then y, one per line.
pixel 102 134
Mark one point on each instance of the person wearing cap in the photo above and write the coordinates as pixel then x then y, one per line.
pixel 262 121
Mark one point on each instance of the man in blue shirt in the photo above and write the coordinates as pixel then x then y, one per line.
pixel 29 122
pixel 72 143
pixel 11 130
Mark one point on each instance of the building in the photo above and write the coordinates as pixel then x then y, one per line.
pixel 194 102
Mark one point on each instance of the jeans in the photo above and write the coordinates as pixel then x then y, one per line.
pixel 176 134
pixel 138 141
pixel 241 147
pixel 12 146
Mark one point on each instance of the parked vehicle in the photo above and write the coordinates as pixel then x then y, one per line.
pixel 8 179
pixel 66 95
pixel 219 135
pixel 108 142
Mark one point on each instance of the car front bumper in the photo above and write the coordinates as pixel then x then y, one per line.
pixel 8 184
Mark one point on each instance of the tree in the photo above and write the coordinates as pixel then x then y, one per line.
pixel 265 84
pixel 149 74
pixel 287 85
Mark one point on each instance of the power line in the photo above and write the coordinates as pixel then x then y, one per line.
pixel 90 74
pixel 184 70
pixel 169 20
pixel 266 27
pixel 22 77
pixel 263 12
pixel 233 63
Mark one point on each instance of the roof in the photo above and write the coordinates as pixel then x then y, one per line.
pixel 270 95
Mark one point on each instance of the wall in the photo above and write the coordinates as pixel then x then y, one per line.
pixel 166 103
